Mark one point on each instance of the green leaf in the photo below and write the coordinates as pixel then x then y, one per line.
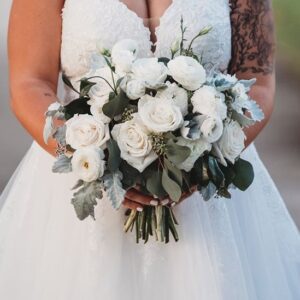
pixel 77 106
pixel 164 60
pixel 130 175
pixel 215 172
pixel 154 184
pixel 208 191
pixel 68 83
pixel 114 189
pixel 85 86
pixel 116 106
pixel 62 164
pixel 84 200
pixel 171 187
pixel 174 172
pixel 114 155
pixel 176 153
pixel 244 174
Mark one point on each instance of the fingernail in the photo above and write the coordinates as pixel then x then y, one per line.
pixel 165 202
pixel 140 209
pixel 173 204
pixel 153 202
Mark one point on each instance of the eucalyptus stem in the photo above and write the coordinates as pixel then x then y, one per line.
pixel 113 88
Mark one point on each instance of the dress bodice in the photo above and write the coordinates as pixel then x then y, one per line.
pixel 88 23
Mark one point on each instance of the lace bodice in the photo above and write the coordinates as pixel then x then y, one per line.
pixel 88 23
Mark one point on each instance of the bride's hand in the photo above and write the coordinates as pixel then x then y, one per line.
pixel 135 199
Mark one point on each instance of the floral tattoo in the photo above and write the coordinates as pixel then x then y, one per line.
pixel 252 36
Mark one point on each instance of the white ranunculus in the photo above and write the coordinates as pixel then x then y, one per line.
pixel 211 129
pixel 232 142
pixel 134 88
pixel 88 163
pixel 159 115
pixel 134 143
pixel 85 130
pixel 104 85
pixel 149 70
pixel 188 72
pixel 209 102
pixel 197 147
pixel 177 94
pixel 123 54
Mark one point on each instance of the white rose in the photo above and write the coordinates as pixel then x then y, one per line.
pixel 159 115
pixel 123 55
pixel 134 88
pixel 211 129
pixel 85 130
pixel 177 94
pixel 208 101
pixel 149 70
pixel 134 143
pixel 197 147
pixel 88 163
pixel 188 72
pixel 104 85
pixel 232 142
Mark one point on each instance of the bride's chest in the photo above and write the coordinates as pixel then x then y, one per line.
pixel 91 23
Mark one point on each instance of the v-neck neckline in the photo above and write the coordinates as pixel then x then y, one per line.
pixel 147 29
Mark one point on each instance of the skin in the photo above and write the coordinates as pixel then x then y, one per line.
pixel 34 60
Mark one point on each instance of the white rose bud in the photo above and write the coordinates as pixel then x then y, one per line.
pixel 134 88
pixel 177 94
pixel 209 102
pixel 97 112
pixel 175 46
pixel 232 142
pixel 123 55
pixel 85 130
pixel 149 70
pixel 88 163
pixel 159 115
pixel 188 72
pixel 134 143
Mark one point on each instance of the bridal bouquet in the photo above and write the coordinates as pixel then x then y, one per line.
pixel 161 124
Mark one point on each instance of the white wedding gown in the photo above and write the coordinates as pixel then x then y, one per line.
pixel 246 248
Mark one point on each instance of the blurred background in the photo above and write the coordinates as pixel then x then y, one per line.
pixel 278 144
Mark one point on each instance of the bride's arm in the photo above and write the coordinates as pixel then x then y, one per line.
pixel 253 53
pixel 34 60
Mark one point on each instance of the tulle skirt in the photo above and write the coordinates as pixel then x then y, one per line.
pixel 239 249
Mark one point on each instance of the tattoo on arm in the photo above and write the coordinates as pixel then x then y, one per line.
pixel 252 36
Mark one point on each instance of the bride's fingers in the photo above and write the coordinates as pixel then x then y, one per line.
pixel 136 196
pixel 132 205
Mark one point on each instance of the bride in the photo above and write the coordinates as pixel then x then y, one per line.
pixel 246 248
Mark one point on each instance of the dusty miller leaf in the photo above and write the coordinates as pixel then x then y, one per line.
pixel 62 164
pixel 49 129
pixel 85 199
pixel 60 135
pixel 243 120
pixel 114 189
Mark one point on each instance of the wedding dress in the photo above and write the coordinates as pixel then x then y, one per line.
pixel 246 248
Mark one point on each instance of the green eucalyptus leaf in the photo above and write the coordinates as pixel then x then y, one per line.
pixel 171 186
pixel 114 155
pixel 244 174
pixel 130 175
pixel 116 105
pixel 215 172
pixel 174 172
pixel 68 82
pixel 164 60
pixel 176 153
pixel 85 86
pixel 154 184
pixel 77 106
